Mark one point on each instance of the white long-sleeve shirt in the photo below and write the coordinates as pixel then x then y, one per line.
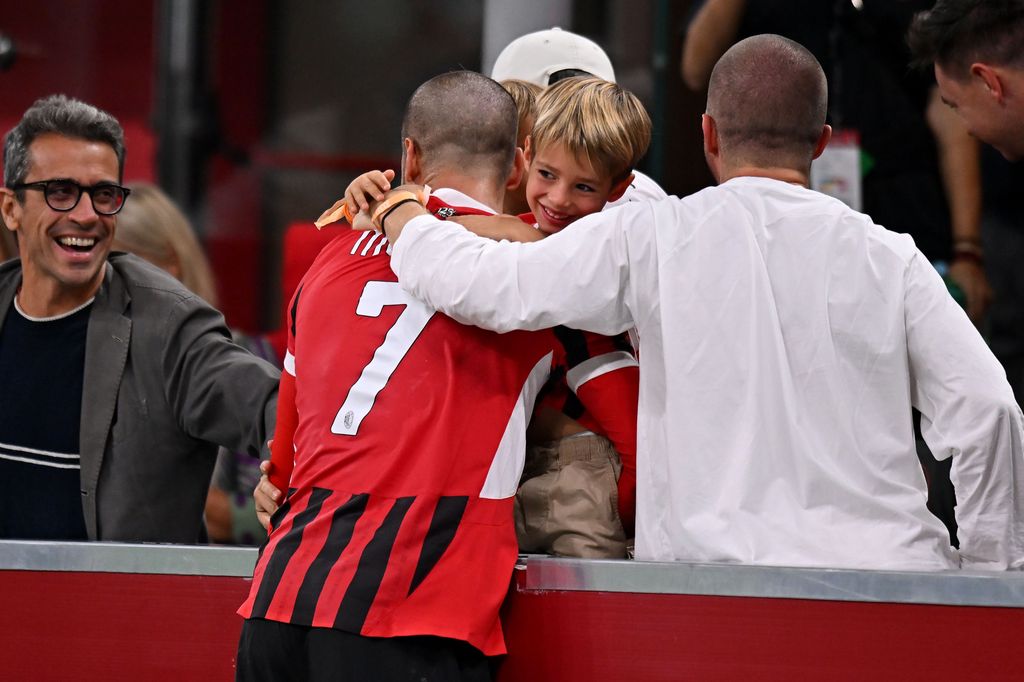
pixel 783 340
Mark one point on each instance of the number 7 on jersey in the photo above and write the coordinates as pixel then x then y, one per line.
pixel 397 342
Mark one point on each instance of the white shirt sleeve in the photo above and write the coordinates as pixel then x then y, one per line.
pixel 968 413
pixel 578 277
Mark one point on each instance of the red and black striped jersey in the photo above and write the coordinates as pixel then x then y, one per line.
pixel 409 440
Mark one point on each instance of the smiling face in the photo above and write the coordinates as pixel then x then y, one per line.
pixel 561 188
pixel 979 101
pixel 62 253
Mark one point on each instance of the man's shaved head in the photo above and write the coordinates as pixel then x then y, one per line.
pixel 463 120
pixel 768 97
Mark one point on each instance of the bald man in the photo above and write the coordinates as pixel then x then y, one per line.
pixel 784 339
pixel 392 552
pixel 977 47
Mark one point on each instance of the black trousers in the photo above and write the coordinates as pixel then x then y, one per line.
pixel 269 651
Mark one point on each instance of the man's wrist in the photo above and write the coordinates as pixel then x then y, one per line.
pixel 379 220
pixel 399 215
pixel 968 250
pixel 400 195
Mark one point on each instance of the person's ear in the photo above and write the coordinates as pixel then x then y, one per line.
pixel 10 209
pixel 528 150
pixel 710 130
pixel 411 162
pixel 823 140
pixel 712 147
pixel 518 173
pixel 620 187
pixel 990 80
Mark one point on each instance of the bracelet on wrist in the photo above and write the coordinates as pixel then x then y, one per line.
pixel 393 201
pixel 968 250
pixel 380 221
pixel 961 256
pixel 976 241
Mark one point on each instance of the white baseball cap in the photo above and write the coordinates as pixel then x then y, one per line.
pixel 535 56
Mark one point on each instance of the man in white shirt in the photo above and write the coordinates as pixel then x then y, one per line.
pixel 784 339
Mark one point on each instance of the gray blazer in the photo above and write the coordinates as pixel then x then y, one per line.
pixel 164 386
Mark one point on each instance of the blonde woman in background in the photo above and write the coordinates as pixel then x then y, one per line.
pixel 152 227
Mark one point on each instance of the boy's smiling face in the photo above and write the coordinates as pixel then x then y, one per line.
pixel 561 188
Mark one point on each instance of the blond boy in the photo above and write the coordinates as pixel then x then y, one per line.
pixel 588 137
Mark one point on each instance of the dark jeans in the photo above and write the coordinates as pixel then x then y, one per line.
pixel 269 651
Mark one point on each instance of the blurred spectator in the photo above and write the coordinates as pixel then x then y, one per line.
pixel 978 50
pixel 152 227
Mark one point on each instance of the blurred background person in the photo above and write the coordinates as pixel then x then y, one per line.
pixel 977 47
pixel 978 52
pixel 152 227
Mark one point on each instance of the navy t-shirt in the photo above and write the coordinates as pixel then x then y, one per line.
pixel 42 362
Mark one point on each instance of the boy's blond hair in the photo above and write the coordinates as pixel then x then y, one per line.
pixel 595 119
pixel 525 95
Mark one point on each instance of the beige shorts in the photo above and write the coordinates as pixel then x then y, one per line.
pixel 567 504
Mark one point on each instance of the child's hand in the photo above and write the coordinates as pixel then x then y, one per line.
pixel 366 188
pixel 354 206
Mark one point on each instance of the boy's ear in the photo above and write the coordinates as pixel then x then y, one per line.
pixel 528 149
pixel 620 187
pixel 518 173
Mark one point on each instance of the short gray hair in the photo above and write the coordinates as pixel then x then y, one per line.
pixel 769 98
pixel 464 120
pixel 60 115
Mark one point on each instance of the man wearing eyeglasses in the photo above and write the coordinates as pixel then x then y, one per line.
pixel 116 383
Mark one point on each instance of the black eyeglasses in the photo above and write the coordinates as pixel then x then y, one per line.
pixel 63 195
